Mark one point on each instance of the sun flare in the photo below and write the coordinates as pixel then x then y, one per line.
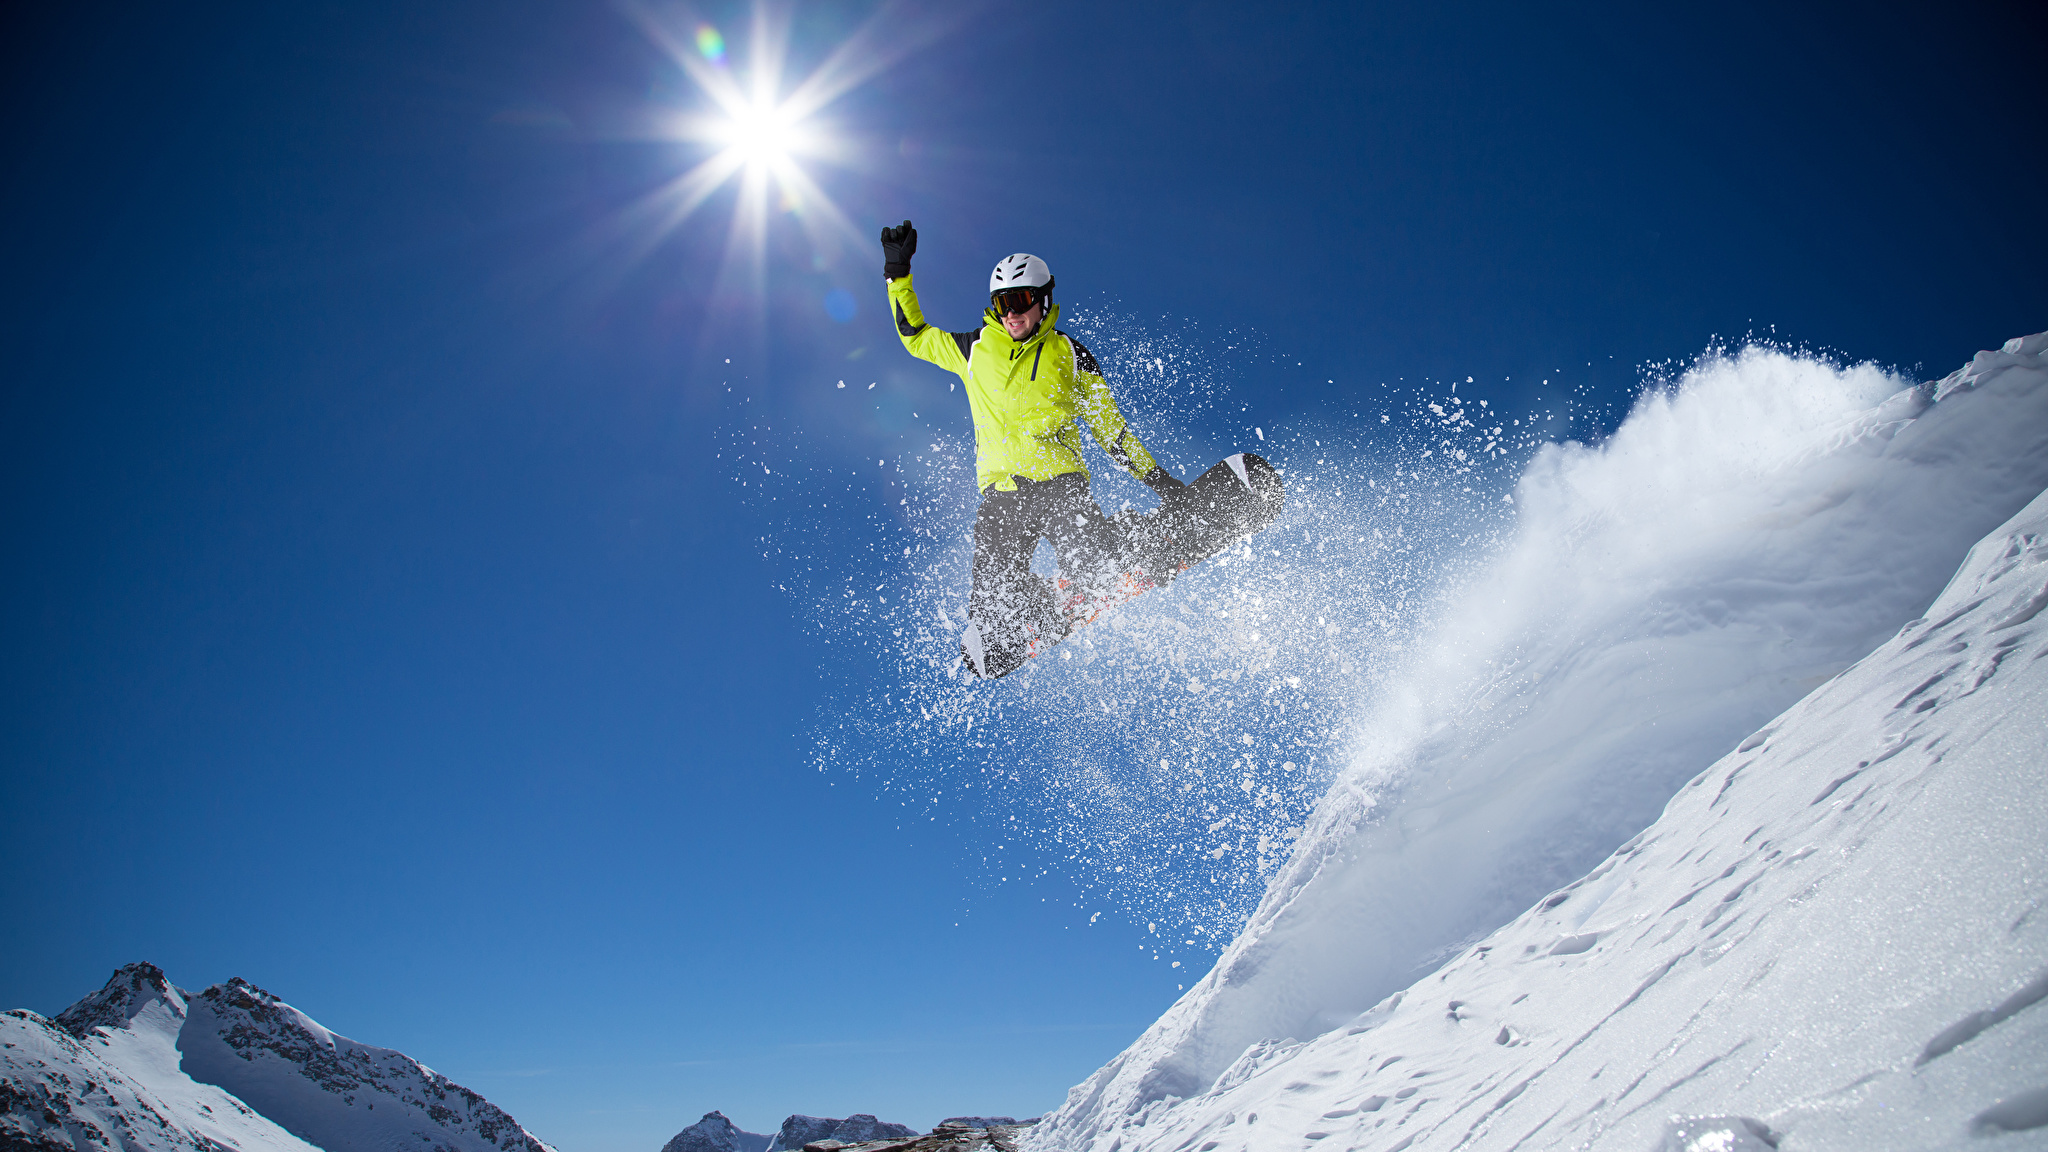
pixel 751 128
pixel 764 134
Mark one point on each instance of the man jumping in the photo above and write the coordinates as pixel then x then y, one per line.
pixel 1026 383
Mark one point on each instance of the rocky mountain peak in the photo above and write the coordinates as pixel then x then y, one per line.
pixel 243 996
pixel 329 1090
pixel 858 1128
pixel 132 988
pixel 715 1133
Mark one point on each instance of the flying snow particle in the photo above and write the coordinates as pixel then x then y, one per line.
pixel 1261 432
pixel 842 383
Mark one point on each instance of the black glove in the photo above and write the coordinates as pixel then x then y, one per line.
pixel 1164 483
pixel 897 246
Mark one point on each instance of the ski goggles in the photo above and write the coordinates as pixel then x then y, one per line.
pixel 1010 300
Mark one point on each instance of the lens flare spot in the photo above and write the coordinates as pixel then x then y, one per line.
pixel 710 44
pixel 839 304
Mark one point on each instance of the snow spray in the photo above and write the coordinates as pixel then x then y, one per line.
pixel 1164 759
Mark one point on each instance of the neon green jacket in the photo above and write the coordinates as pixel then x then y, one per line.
pixel 1025 395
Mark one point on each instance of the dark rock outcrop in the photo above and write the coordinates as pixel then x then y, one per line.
pixel 859 1128
pixel 130 989
pixel 799 1130
pixel 952 1136
pixel 715 1133
pixel 329 1090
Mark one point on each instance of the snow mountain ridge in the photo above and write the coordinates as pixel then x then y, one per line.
pixel 1827 939
pixel 860 1128
pixel 144 1066
pixel 716 1133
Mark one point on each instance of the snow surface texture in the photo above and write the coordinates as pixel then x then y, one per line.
pixel 1833 938
pixel 142 1065
pixel 1743 537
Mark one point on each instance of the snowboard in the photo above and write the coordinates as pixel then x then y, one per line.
pixel 1225 505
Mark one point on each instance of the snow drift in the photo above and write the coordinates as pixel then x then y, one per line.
pixel 1744 536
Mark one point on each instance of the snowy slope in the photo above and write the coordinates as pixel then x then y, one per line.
pixel 141 1065
pixel 1740 539
pixel 105 1075
pixel 1837 931
pixel 331 1090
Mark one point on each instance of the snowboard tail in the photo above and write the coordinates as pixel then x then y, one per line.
pixel 1229 503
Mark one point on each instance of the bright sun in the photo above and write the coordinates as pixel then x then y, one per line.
pixel 761 134
pixel 764 133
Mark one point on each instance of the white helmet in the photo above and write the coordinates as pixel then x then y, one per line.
pixel 1020 270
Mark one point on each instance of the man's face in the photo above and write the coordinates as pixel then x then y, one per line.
pixel 1018 323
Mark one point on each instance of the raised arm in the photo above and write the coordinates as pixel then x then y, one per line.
pixel 946 349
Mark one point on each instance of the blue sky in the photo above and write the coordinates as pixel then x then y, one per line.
pixel 384 625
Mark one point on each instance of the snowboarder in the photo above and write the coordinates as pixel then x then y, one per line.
pixel 1026 383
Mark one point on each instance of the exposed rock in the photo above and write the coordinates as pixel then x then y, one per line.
pixel 800 1131
pixel 110 1082
pixel 332 1091
pixel 948 1137
pixel 862 1128
pixel 132 988
pixel 141 1066
pixel 715 1133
